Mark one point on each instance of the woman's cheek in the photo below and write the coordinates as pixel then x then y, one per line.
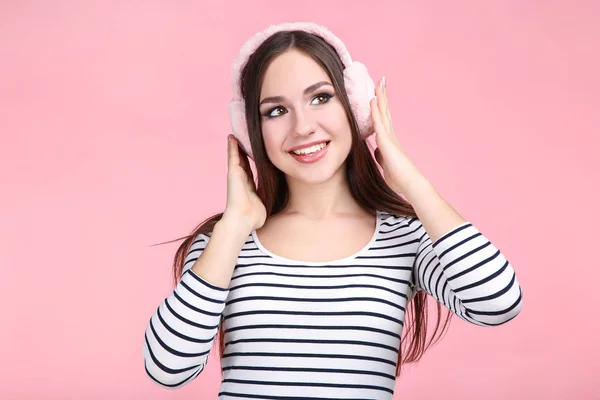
pixel 274 138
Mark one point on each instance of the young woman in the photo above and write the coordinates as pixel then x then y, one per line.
pixel 316 278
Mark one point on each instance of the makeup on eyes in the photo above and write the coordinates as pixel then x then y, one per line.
pixel 326 96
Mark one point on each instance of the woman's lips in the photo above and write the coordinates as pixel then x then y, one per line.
pixel 312 158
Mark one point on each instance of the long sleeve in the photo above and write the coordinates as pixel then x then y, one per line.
pixel 182 330
pixel 465 272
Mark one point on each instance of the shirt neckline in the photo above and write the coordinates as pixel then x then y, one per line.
pixel 341 260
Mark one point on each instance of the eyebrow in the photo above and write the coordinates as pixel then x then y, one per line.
pixel 279 99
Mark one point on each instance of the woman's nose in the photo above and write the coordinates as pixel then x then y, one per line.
pixel 304 123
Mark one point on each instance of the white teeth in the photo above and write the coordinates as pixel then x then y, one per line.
pixel 310 150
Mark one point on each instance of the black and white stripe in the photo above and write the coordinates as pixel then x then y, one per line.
pixel 324 330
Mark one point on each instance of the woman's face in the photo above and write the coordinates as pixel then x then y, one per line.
pixel 304 126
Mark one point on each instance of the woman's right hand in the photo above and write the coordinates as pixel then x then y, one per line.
pixel 244 208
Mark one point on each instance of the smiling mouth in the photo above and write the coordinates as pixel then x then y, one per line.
pixel 310 151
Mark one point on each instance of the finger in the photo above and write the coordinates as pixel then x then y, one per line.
pixel 380 93
pixel 380 103
pixel 244 159
pixel 245 164
pixel 387 111
pixel 378 125
pixel 233 156
pixel 382 100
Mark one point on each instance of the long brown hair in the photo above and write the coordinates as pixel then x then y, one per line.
pixel 367 185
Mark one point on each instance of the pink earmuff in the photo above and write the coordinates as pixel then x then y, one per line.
pixel 359 85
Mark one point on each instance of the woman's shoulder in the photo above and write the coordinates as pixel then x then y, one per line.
pixel 396 219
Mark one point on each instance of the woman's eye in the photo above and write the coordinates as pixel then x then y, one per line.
pixel 277 111
pixel 280 110
pixel 321 98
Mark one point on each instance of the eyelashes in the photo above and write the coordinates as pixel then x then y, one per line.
pixel 271 112
pixel 280 110
pixel 324 96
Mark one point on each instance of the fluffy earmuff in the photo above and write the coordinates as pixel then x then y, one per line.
pixel 357 81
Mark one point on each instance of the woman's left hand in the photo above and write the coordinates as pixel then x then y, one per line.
pixel 402 176
pixel 398 170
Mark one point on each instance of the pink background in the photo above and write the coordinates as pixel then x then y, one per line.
pixel 113 123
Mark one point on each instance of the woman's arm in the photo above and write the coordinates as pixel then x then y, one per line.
pixel 455 263
pixel 181 332
pixel 465 272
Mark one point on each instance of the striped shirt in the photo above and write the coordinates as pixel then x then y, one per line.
pixel 324 330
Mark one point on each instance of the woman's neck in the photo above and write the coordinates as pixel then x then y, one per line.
pixel 323 200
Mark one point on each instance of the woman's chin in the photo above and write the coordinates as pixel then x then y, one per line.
pixel 315 176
